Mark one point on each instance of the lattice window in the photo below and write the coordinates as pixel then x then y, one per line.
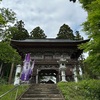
pixel 48 57
pixel 66 56
pixel 38 56
pixel 57 56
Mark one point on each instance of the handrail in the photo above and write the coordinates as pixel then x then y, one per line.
pixel 9 91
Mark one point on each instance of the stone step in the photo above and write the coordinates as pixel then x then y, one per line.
pixel 41 99
pixel 43 95
pixel 39 88
pixel 42 92
pixel 45 85
pixel 43 89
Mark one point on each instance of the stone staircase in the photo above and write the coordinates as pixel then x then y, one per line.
pixel 42 92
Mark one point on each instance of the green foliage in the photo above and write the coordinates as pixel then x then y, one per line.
pixel 2 21
pixel 92 28
pixel 70 92
pixel 37 33
pixel 65 32
pixel 6 16
pixel 85 3
pixel 8 54
pixel 17 32
pixel 83 90
pixel 3 81
pixel 90 89
pixel 78 36
pixel 11 95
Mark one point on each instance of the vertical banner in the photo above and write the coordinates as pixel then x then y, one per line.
pixel 27 68
pixel 31 68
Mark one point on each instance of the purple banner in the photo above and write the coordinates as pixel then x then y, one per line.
pixel 27 68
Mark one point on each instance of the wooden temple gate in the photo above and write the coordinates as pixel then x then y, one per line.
pixel 47 54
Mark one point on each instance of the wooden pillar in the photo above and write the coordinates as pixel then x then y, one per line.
pixel 1 68
pixel 37 77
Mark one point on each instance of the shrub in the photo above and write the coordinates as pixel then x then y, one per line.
pixel 90 89
pixel 12 95
pixel 83 90
pixel 3 81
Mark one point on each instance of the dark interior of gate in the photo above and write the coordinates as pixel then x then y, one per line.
pixel 48 76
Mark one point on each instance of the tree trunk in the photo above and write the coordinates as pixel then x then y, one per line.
pixel 11 71
pixel 1 69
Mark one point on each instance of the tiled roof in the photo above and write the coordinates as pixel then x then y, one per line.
pixel 51 40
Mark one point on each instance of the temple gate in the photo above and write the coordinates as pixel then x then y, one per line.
pixel 49 55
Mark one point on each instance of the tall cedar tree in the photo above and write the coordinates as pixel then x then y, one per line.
pixel 17 32
pixel 65 32
pixel 73 0
pixel 37 33
pixel 78 36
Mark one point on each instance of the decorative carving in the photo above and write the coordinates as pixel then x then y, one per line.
pixel 48 66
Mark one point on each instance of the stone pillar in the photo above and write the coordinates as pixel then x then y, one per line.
pixel 62 68
pixel 17 75
pixel 63 75
pixel 59 76
pixel 80 70
pixel 75 74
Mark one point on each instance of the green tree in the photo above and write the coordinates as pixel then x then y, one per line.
pixel 37 33
pixel 65 32
pixel 7 16
pixel 8 54
pixel 9 57
pixel 78 36
pixel 85 3
pixel 17 32
pixel 73 0
pixel 92 28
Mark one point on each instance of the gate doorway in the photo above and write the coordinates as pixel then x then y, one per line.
pixel 48 76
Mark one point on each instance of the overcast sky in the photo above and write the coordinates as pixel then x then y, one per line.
pixel 50 15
